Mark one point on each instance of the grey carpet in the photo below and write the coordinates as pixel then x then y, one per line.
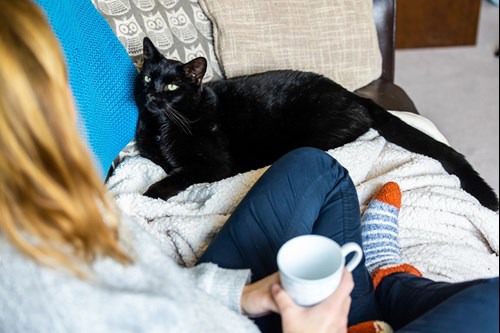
pixel 458 89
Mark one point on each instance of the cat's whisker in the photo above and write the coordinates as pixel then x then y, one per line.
pixel 183 122
pixel 180 120
pixel 175 119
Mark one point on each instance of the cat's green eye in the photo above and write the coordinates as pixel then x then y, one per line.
pixel 147 79
pixel 171 87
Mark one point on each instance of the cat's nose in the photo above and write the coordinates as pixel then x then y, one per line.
pixel 158 87
pixel 150 98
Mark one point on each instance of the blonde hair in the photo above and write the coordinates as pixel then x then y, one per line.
pixel 53 205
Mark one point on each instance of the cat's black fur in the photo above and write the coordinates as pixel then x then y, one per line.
pixel 206 132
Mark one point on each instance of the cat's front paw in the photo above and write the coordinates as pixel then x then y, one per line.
pixel 152 193
pixel 157 191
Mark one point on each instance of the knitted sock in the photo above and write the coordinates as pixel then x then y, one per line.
pixel 374 326
pixel 380 234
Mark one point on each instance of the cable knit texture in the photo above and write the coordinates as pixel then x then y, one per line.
pixel 152 295
pixel 101 75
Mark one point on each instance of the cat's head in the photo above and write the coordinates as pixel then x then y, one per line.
pixel 163 85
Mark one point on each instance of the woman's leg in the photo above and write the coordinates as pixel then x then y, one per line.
pixel 414 304
pixel 306 191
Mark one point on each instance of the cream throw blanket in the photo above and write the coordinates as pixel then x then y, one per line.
pixel 444 231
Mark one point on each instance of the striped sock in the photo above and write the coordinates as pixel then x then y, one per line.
pixel 379 229
pixel 380 234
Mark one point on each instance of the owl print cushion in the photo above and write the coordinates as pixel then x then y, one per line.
pixel 178 28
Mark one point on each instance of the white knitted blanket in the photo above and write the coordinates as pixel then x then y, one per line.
pixel 444 231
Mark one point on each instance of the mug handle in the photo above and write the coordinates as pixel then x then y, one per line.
pixel 358 255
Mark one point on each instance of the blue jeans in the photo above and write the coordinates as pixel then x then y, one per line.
pixel 309 192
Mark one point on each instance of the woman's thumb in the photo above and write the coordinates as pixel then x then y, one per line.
pixel 281 298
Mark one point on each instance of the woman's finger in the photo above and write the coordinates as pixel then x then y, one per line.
pixel 343 291
pixel 346 284
pixel 283 301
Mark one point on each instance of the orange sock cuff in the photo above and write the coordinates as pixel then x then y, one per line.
pixel 374 326
pixel 381 273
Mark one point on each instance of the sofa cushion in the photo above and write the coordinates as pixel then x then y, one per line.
pixel 178 28
pixel 336 38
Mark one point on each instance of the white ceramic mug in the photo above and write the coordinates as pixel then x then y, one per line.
pixel 311 267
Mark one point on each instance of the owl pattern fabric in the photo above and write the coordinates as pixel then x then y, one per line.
pixel 179 29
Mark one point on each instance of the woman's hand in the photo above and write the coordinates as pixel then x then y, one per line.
pixel 257 299
pixel 330 316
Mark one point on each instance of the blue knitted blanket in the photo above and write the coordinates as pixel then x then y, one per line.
pixel 101 75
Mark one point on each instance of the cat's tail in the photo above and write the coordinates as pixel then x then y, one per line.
pixel 397 131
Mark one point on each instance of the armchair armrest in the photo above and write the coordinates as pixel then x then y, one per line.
pixel 388 95
pixel 383 91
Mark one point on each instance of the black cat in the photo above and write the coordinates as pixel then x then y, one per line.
pixel 205 132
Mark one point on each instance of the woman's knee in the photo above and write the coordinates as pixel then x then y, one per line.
pixel 314 160
pixel 307 153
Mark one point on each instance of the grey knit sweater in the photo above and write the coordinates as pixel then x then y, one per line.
pixel 153 295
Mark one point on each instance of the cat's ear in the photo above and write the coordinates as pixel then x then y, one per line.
pixel 150 51
pixel 195 69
